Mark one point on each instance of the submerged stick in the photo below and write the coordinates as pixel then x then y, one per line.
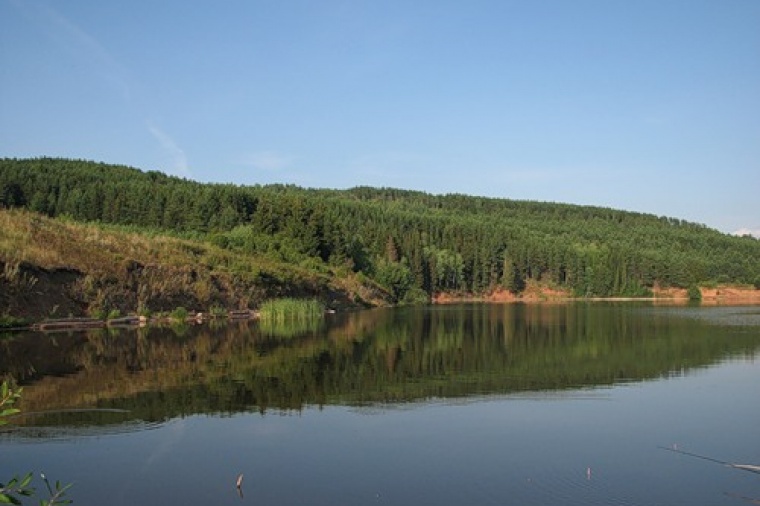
pixel 744 467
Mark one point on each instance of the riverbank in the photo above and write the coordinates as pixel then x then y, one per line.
pixel 535 294
pixel 52 269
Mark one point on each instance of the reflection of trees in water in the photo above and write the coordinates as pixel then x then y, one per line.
pixel 369 356
pixel 289 328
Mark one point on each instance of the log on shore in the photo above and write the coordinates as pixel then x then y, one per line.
pixel 69 324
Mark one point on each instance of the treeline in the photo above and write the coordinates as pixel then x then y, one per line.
pixel 413 243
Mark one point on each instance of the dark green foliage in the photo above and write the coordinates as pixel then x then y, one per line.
pixel 9 322
pixel 179 315
pixel 12 195
pixel 404 239
pixel 694 293
pixel 395 277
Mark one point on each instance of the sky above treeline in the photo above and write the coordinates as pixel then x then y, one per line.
pixel 650 106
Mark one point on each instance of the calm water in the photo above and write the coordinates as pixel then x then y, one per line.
pixel 448 405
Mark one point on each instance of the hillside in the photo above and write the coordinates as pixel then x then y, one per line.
pixel 54 267
pixel 413 244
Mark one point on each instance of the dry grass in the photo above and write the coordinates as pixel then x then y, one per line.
pixel 92 248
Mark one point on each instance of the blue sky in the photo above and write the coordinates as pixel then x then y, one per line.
pixel 648 106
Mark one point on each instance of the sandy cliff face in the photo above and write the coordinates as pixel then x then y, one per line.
pixel 727 294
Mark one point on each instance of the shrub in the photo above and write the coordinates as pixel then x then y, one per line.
pixel 415 296
pixel 179 314
pixel 694 293
pixel 8 321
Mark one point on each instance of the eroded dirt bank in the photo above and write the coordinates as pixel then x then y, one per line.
pixel 727 295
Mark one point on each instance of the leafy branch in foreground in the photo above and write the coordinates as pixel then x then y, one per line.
pixel 18 487
pixel 8 397
pixel 21 487
pixel 56 493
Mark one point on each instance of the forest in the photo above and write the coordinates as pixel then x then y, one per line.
pixel 413 244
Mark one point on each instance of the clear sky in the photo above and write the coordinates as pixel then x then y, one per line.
pixel 644 105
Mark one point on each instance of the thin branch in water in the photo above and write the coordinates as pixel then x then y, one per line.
pixel 744 467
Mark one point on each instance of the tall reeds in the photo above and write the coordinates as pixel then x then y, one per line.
pixel 291 309
pixel 290 317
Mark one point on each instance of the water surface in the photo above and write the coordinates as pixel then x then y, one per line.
pixel 461 404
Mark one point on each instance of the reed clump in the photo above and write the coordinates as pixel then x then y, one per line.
pixel 282 310
pixel 289 317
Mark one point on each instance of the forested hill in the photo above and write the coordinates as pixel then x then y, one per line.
pixel 413 243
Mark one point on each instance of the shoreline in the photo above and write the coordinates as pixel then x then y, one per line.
pixel 727 296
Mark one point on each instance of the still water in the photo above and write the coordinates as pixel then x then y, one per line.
pixel 478 404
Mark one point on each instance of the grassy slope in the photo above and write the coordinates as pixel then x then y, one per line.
pixel 56 267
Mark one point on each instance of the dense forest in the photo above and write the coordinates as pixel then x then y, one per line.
pixel 412 243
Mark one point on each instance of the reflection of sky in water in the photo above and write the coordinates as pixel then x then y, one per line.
pixel 744 316
pixel 590 446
